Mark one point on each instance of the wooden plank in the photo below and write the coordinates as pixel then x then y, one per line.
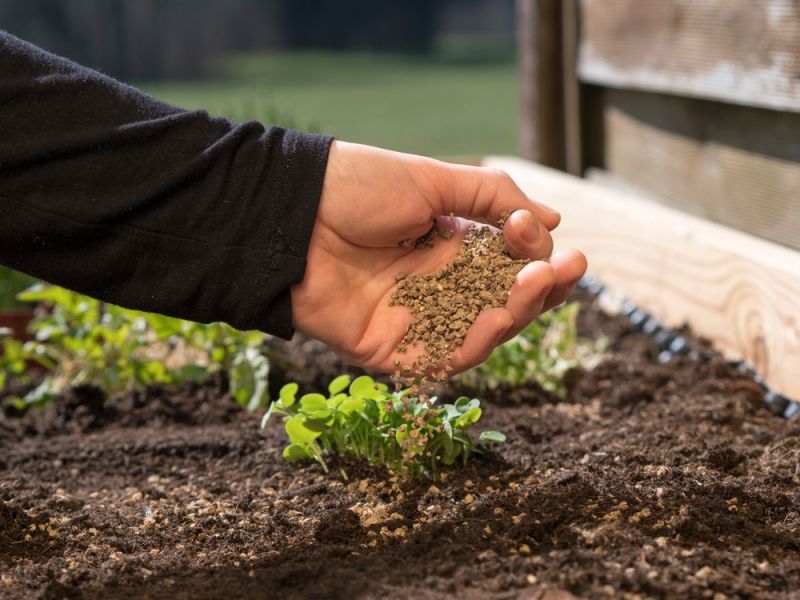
pixel 741 292
pixel 741 51
pixel 541 104
pixel 735 165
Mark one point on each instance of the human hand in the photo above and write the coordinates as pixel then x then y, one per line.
pixel 372 200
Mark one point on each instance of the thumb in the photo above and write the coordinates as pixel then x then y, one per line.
pixel 526 237
pixel 484 194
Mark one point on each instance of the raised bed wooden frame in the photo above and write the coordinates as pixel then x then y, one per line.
pixel 739 291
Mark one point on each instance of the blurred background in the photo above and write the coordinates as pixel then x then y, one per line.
pixel 434 77
pixel 691 104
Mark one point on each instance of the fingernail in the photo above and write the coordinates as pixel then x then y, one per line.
pixel 530 232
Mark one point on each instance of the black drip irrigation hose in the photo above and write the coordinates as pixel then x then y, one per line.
pixel 671 344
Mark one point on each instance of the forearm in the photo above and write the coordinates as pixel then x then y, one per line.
pixel 107 191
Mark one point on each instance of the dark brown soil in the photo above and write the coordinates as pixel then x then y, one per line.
pixel 665 481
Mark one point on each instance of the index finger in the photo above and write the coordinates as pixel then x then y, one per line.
pixel 484 194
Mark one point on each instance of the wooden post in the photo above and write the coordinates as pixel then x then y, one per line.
pixel 540 58
pixel 572 88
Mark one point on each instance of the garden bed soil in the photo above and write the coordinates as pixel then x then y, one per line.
pixel 650 481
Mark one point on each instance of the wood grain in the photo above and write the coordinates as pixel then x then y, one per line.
pixel 735 165
pixel 541 97
pixel 741 51
pixel 741 292
pixel 572 89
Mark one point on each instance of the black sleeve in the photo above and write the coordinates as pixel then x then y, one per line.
pixel 107 191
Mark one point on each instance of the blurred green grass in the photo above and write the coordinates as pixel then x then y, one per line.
pixel 456 103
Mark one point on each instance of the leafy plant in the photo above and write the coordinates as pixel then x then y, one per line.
pixel 362 418
pixel 82 340
pixel 12 358
pixel 545 352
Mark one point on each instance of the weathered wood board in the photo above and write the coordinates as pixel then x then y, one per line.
pixel 741 51
pixel 735 165
pixel 738 290
pixel 541 98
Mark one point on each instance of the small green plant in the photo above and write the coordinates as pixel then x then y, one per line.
pixel 362 418
pixel 80 340
pixel 544 352
pixel 12 358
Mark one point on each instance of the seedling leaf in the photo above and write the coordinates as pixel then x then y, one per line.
pixel 288 393
pixel 339 384
pixel 351 404
pixel 296 453
pixel 267 415
pixel 299 430
pixel 492 436
pixel 462 404
pixel 364 387
pixel 313 402
pixel 470 417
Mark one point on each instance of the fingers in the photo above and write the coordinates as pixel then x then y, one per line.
pixel 484 194
pixel 525 302
pixel 527 237
pixel 569 267
pixel 530 291
pixel 486 333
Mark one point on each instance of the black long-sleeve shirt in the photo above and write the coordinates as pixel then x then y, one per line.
pixel 107 191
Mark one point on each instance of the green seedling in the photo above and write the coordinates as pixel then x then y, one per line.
pixel 80 340
pixel 12 358
pixel 544 352
pixel 409 435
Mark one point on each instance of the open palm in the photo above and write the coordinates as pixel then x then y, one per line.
pixel 373 200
